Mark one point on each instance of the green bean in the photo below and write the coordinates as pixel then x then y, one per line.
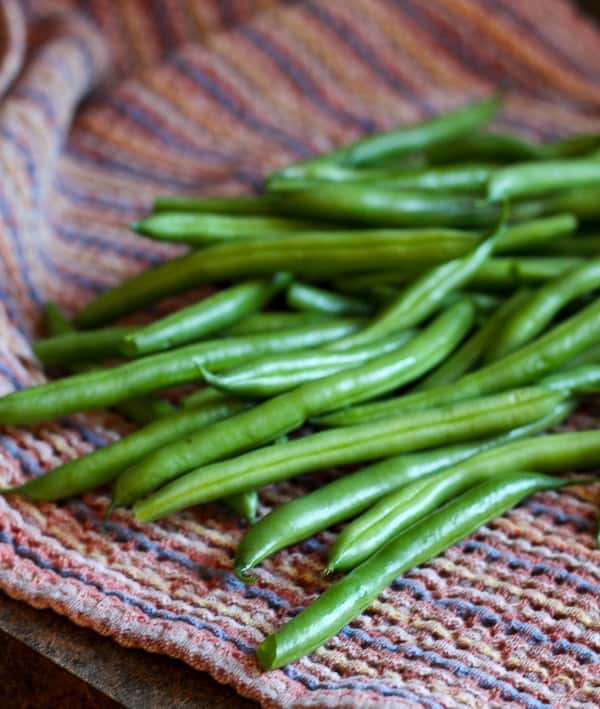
pixel 581 246
pixel 470 353
pixel 244 504
pixel 470 178
pixel 538 311
pixel 534 179
pixel 403 433
pixel 573 146
pixel 76 347
pixel 217 205
pixel 104 464
pixel 200 229
pixel 349 596
pixel 314 254
pixel 305 297
pixel 513 272
pixel 290 410
pixel 355 492
pixel 583 203
pixel 408 139
pixel 479 145
pixel 110 386
pixel 205 395
pixel 261 323
pixel 424 296
pixel 535 360
pixel 268 376
pixel 55 321
pixel 581 379
pixel 387 207
pixel 141 410
pixel 206 317
pixel 394 513
pixel 146 409
pixel 588 356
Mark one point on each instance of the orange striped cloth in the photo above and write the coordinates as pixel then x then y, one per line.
pixel 104 105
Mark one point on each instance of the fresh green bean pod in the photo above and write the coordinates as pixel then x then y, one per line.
pixel 538 311
pixel 582 246
pixel 407 139
pixel 200 229
pixel 504 273
pixel 262 323
pixel 403 433
pixel 581 379
pixel 200 397
pixel 353 493
pixel 485 146
pixel 470 353
pixel 387 207
pixel 349 596
pixel 304 297
pixel 77 347
pixel 55 321
pixel 204 318
pixel 535 179
pixel 537 359
pixel 583 202
pixel 141 410
pixel 395 513
pixel 216 205
pixel 290 410
pixel 106 387
pixel 244 504
pixel 318 254
pixel 424 296
pixel 470 178
pixel 273 375
pixel 102 465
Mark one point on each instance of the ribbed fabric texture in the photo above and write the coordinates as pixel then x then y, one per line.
pixel 105 105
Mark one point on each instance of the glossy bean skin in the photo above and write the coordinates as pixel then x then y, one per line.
pixel 104 464
pixel 534 179
pixel 304 297
pixel 102 388
pixel 395 513
pixel 353 493
pixel 537 359
pixel 206 317
pixel 290 410
pixel 215 205
pixel 469 178
pixel 483 145
pixel 387 207
pixel 407 139
pixel 505 273
pixel 269 376
pixel 352 594
pixel 472 351
pixel 272 321
pixel 318 254
pixel 200 229
pixel 245 504
pixel 424 296
pixel 141 410
pixel 535 315
pixel 403 433
pixel 581 379
pixel 77 347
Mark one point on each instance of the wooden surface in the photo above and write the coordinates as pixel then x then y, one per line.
pixel 47 662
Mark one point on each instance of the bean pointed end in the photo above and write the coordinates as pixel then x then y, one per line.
pixel 241 573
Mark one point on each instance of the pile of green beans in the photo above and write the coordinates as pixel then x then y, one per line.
pixel 386 291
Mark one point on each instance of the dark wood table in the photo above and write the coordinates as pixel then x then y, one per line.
pixel 47 662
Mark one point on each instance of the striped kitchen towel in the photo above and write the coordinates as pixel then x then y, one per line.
pixel 105 104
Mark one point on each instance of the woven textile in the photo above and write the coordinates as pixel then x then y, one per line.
pixel 105 104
